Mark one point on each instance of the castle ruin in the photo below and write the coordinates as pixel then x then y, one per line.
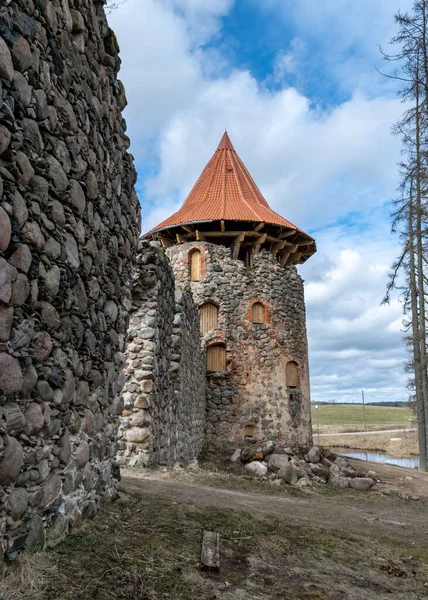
pixel 210 347
pixel 233 259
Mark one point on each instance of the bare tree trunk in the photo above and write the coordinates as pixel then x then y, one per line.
pixel 420 404
pixel 420 139
pixel 419 274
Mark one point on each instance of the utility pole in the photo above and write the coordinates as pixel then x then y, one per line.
pixel 318 423
pixel 364 410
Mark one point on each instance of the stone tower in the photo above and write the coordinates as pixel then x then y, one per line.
pixel 238 257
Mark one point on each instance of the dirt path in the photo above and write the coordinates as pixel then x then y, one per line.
pixel 276 542
pixel 359 512
pixel 368 432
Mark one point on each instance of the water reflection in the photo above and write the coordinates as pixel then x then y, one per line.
pixel 379 457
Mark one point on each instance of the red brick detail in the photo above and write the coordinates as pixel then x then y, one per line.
pixel 249 313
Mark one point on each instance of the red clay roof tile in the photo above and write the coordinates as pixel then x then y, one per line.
pixel 225 191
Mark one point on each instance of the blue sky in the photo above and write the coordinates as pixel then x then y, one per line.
pixel 296 84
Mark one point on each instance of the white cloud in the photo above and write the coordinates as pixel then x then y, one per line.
pixel 343 36
pixel 316 165
pixel 355 342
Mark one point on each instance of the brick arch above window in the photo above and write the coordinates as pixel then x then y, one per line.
pixel 258 311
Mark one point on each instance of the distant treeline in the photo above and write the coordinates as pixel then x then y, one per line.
pixel 393 404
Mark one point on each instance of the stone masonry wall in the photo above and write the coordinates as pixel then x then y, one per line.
pixel 69 222
pixel 252 397
pixel 163 420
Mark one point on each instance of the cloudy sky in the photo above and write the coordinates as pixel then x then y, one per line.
pixel 296 84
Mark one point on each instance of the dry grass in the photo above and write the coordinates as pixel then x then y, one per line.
pixel 357 428
pixel 149 550
pixel 147 547
pixel 407 446
pixel 26 578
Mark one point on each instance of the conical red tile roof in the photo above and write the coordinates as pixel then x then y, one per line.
pixel 225 191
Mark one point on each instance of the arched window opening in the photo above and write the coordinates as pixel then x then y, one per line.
pixel 209 317
pixel 258 313
pixel 292 374
pixel 195 265
pixel 216 358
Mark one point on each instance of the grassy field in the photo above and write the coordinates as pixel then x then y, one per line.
pixel 341 417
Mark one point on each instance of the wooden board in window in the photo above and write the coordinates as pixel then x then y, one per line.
pixel 216 358
pixel 291 374
pixel 258 313
pixel 195 265
pixel 209 317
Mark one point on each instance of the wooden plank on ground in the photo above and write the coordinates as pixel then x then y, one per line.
pixel 210 555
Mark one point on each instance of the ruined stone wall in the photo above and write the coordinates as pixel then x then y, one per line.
pixel 69 223
pixel 252 397
pixel 163 420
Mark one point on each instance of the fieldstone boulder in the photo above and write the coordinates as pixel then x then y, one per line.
pixel 11 416
pixel 349 471
pixel 372 475
pixel 17 503
pixel 256 468
pixel 288 474
pixel 11 379
pixel 11 461
pixel 5 228
pixel 36 537
pixel 319 470
pixel 21 258
pixel 138 434
pixel 42 346
pixel 314 455
pixel 57 532
pixel 277 461
pixel 268 448
pixel 34 419
pixel 51 490
pixel 246 454
pixel 304 482
pixel 341 462
pixel 82 455
pixel 362 484
pixel 339 482
pixel 6 318
pixel 6 65
pixel 236 455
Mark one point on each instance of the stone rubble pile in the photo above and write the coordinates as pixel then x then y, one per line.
pixel 319 466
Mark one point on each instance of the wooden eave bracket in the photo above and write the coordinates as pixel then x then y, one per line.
pixel 259 243
pixel 286 256
pixel 278 246
pixel 237 244
pixel 288 233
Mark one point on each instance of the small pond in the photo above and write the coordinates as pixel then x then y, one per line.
pixel 380 457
